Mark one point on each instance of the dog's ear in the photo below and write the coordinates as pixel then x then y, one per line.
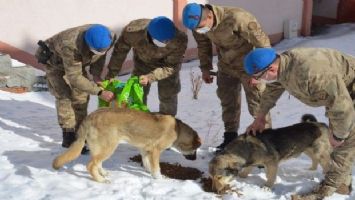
pixel 308 118
pixel 178 123
pixel 197 142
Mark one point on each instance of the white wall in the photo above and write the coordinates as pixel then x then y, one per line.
pixel 270 13
pixel 23 22
pixel 325 8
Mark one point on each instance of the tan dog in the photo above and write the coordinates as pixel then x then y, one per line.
pixel 151 133
pixel 268 149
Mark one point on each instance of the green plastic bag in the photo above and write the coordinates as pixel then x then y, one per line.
pixel 129 94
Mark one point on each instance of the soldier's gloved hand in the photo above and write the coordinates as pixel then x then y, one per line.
pixel 143 80
pixel 207 77
pixel 257 126
pixel 106 95
pixel 335 141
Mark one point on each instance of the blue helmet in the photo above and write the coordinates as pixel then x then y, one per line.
pixel 98 37
pixel 161 28
pixel 191 15
pixel 258 60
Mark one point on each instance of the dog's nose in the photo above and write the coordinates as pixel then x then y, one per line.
pixel 191 156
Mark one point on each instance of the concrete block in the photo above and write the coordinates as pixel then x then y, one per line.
pixel 5 64
pixel 22 77
pixel 3 81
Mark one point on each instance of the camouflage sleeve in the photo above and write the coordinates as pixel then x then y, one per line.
pixel 162 73
pixel 332 92
pixel 119 55
pixel 173 61
pixel 97 67
pixel 74 73
pixel 271 94
pixel 205 50
pixel 250 29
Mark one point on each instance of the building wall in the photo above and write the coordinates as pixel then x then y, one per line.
pixel 346 11
pixel 324 12
pixel 325 8
pixel 271 13
pixel 24 22
pixel 30 20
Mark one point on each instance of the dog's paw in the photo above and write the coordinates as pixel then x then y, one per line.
pixel 157 176
pixel 103 173
pixel 102 180
pixel 312 168
pixel 243 175
pixel 296 197
pixel 107 181
pixel 266 188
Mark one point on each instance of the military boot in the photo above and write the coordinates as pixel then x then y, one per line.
pixel 319 193
pixel 85 150
pixel 228 137
pixel 68 137
pixel 344 189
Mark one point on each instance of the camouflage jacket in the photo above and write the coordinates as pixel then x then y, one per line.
pixel 317 77
pixel 235 33
pixel 157 62
pixel 72 55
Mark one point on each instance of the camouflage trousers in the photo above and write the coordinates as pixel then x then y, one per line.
pixel 168 90
pixel 342 158
pixel 71 103
pixel 229 92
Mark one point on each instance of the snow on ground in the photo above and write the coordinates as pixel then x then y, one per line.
pixel 30 139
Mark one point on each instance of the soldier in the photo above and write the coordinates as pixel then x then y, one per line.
pixel 158 49
pixel 234 32
pixel 65 56
pixel 317 77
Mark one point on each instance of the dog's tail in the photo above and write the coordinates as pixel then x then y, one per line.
pixel 308 118
pixel 74 150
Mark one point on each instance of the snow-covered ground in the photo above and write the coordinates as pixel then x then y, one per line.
pixel 30 138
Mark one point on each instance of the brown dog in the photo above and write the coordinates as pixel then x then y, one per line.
pixel 268 149
pixel 151 133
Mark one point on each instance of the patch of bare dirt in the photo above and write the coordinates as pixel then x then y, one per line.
pixel 176 171
pixel 206 184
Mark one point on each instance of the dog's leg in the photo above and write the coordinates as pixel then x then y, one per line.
pixel 245 172
pixel 94 167
pixel 314 158
pixel 102 171
pixel 271 172
pixel 145 161
pixel 98 156
pixel 154 158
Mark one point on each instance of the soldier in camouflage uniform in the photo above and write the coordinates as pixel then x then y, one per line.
pixel 158 49
pixel 234 32
pixel 317 77
pixel 65 56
